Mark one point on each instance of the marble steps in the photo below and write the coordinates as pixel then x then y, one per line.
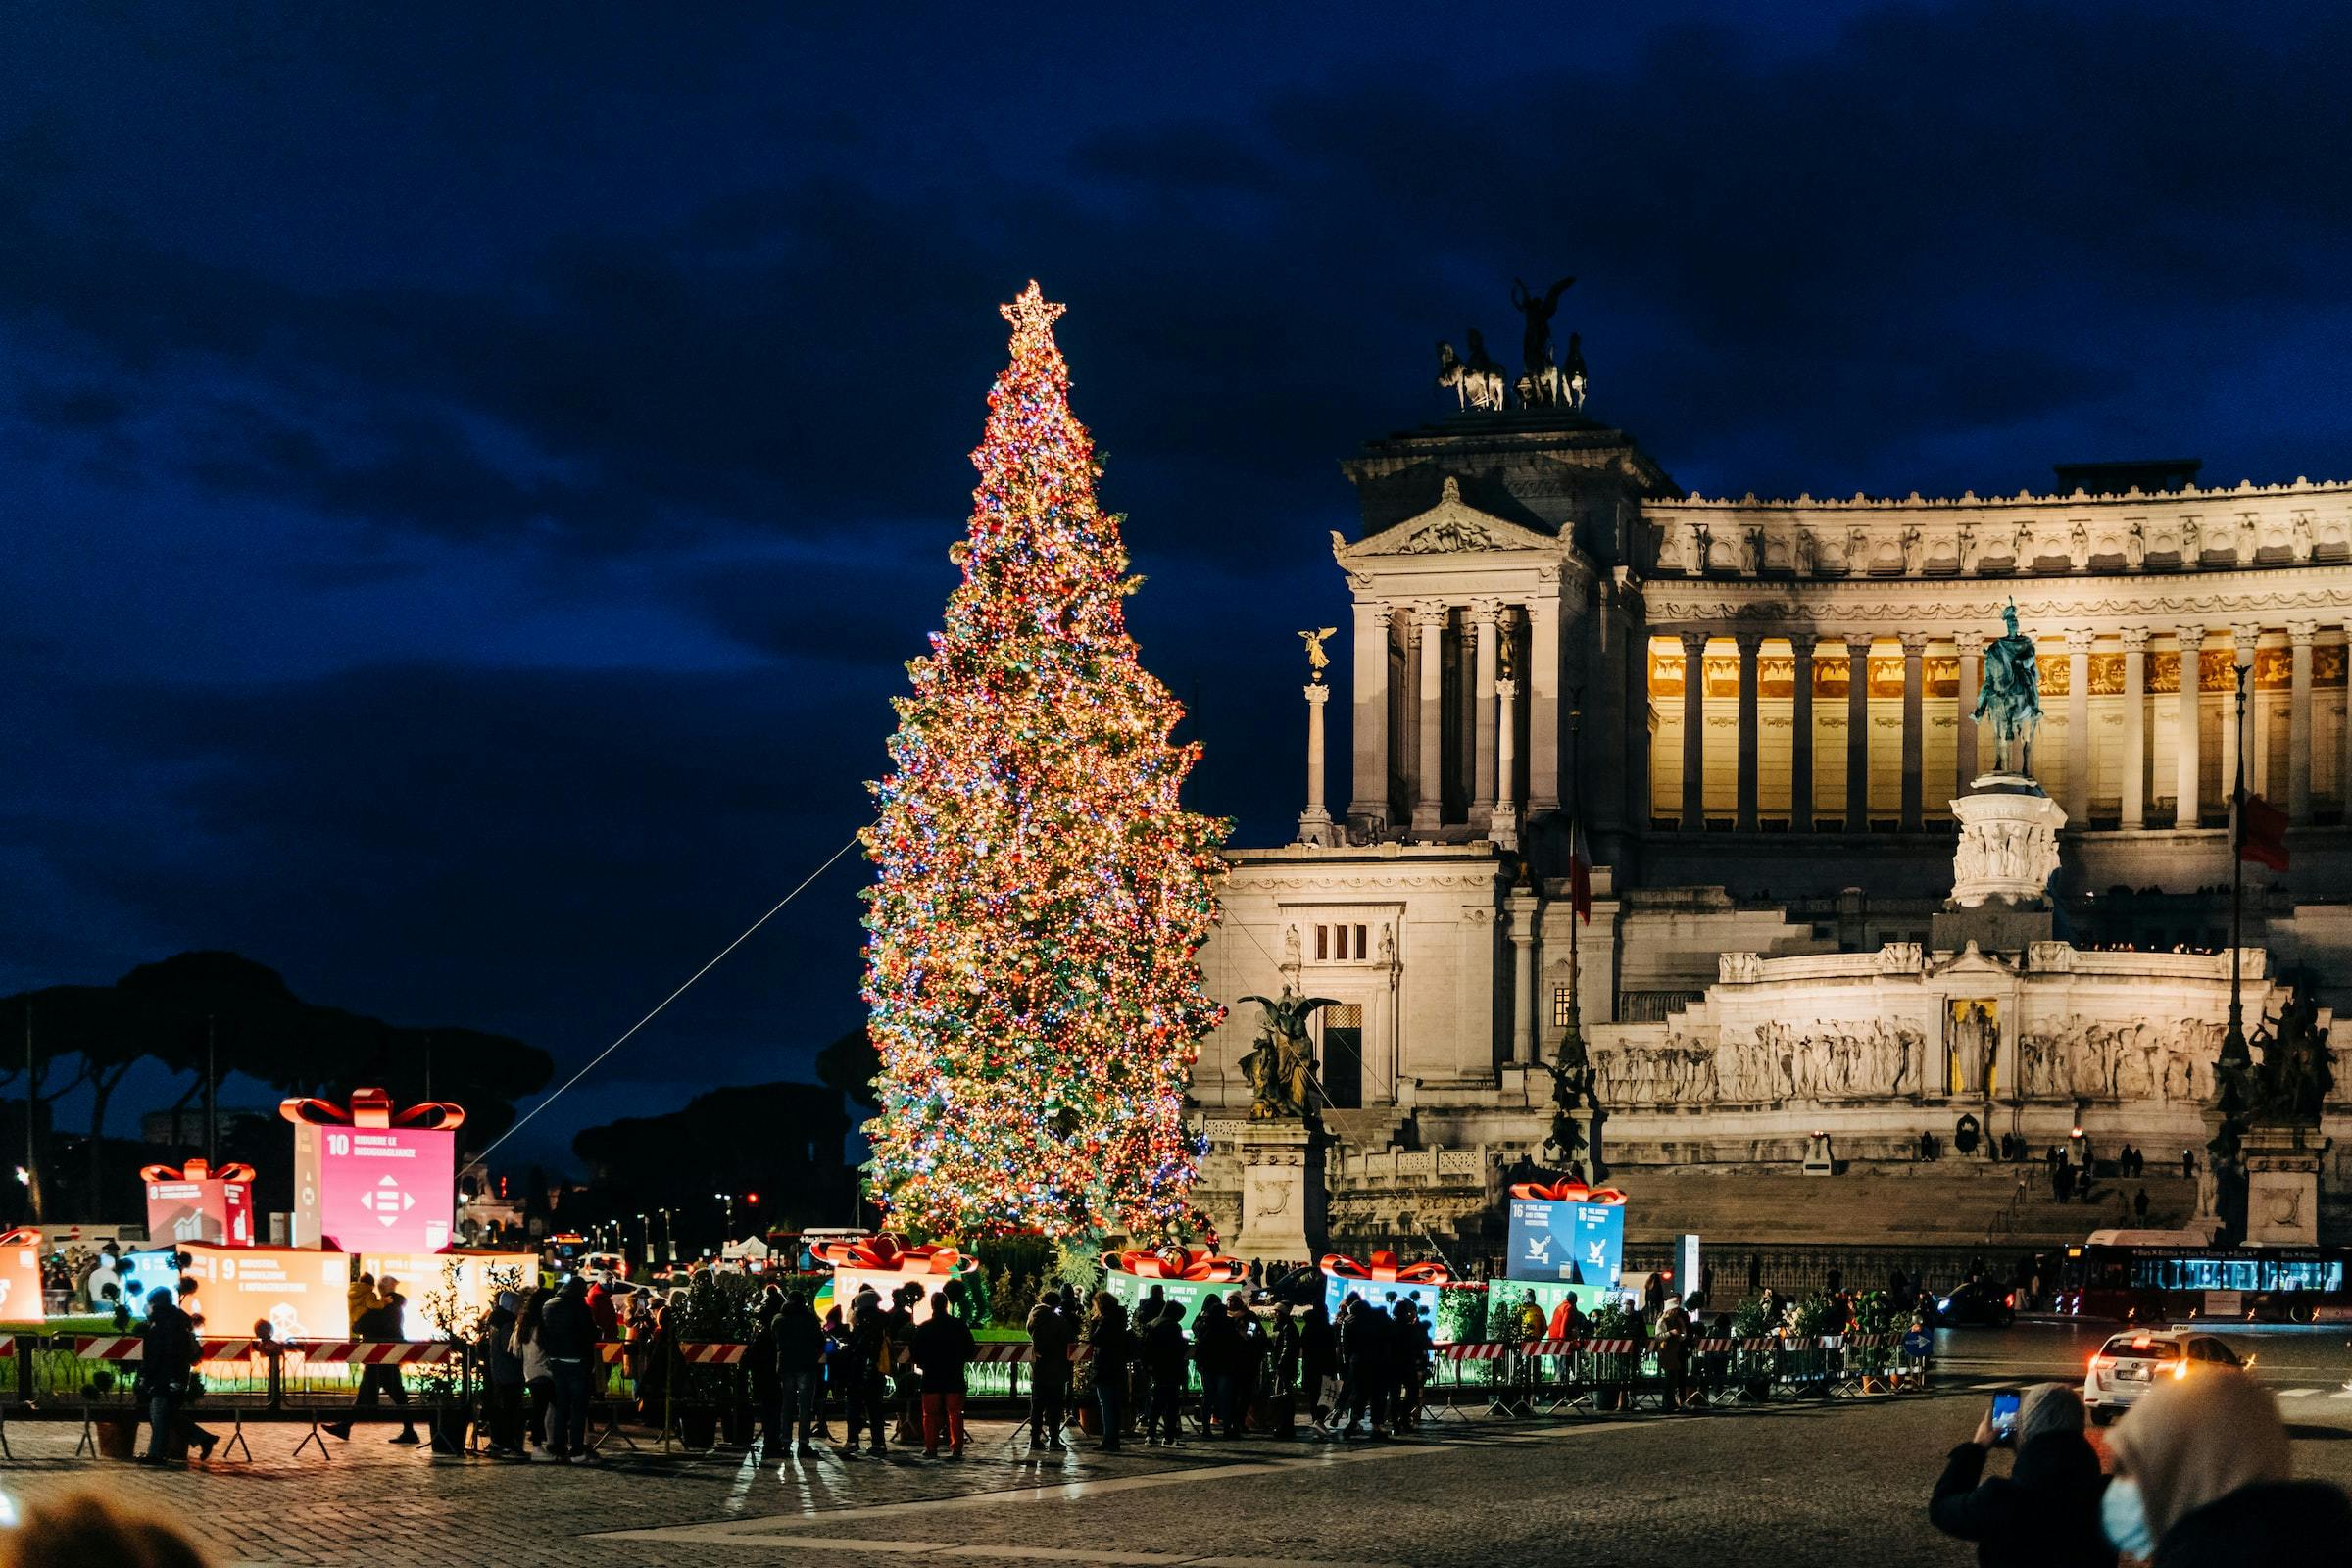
pixel 1934 1206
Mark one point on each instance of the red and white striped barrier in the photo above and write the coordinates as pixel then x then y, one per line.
pixel 376 1353
pixel 109 1347
pixel 1000 1352
pixel 710 1353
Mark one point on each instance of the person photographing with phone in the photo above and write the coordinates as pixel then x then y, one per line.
pixel 2045 1511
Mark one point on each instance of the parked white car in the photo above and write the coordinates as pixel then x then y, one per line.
pixel 2130 1364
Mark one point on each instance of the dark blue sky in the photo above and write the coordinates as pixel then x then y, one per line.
pixel 472 474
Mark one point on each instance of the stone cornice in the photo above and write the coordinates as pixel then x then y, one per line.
pixel 2022 537
pixel 2215 598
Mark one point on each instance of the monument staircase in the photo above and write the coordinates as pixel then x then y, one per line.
pixel 1936 1204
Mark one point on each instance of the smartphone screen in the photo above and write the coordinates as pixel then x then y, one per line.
pixel 2004 1416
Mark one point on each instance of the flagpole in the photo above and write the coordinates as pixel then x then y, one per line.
pixel 2233 1041
pixel 1572 1042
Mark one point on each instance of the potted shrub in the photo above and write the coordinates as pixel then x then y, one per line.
pixel 1874 1318
pixel 443 1383
pixel 718 1310
pixel 1613 1375
pixel 116 1427
pixel 1751 1319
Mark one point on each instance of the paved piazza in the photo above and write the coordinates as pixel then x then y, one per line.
pixel 1780 1484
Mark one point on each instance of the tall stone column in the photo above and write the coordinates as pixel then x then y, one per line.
pixel 1543 679
pixel 1521 908
pixel 1915 728
pixel 1484 614
pixel 1694 732
pixel 1371 724
pixel 2185 760
pixel 2136 728
pixel 1857 733
pixel 1964 762
pixel 2078 728
pixel 1502 825
pixel 2344 771
pixel 1801 735
pixel 1314 823
pixel 1428 766
pixel 1748 642
pixel 2299 634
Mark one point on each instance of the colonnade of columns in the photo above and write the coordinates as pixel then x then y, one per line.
pixel 1401 768
pixel 2123 775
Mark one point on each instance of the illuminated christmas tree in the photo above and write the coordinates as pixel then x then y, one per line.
pixel 1042 895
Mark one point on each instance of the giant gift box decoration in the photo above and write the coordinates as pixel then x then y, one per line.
pixel 1380 1277
pixel 367 1177
pixel 198 1203
pixel 481 1275
pixel 21 1276
pixel 1185 1276
pixel 1567 1233
pixel 888 1264
pixel 299 1292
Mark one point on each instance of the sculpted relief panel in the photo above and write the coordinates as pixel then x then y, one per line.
pixel 1771 1064
pixel 2078 1058
pixel 1838 1061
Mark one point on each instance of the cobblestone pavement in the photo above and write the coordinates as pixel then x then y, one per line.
pixel 1779 1484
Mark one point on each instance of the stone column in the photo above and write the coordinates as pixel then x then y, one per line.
pixel 1694 732
pixel 1314 823
pixel 1972 678
pixel 2344 771
pixel 2184 752
pixel 1371 726
pixel 1429 767
pixel 2078 728
pixel 1857 733
pixel 1801 735
pixel 2136 728
pixel 1543 678
pixel 1484 614
pixel 1522 913
pixel 1748 642
pixel 1502 825
pixel 1915 728
pixel 2299 634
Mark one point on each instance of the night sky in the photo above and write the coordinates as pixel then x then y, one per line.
pixel 473 476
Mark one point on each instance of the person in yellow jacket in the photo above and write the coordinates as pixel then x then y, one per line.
pixel 361 1298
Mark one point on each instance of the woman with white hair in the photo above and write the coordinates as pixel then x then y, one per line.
pixel 2203 1476
pixel 2046 1510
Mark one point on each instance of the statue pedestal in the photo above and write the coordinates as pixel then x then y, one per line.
pixel 1282 1191
pixel 2282 1184
pixel 2001 870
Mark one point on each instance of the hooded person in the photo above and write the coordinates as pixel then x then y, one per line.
pixel 2046 1509
pixel 2204 1476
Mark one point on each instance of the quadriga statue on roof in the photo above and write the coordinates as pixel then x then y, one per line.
pixel 2011 697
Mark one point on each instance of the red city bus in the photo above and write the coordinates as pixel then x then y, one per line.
pixel 2176 1276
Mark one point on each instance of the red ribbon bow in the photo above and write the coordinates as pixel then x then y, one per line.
pixel 885 1254
pixel 1383 1269
pixel 371 1107
pixel 196 1171
pixel 1174 1262
pixel 1568 1190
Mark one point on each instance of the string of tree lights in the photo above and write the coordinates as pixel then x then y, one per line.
pixel 1042 896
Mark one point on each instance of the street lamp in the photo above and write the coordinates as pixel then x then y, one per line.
pixel 727 1198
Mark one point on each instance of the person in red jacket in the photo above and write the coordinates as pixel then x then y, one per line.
pixel 606 1318
pixel 942 1348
